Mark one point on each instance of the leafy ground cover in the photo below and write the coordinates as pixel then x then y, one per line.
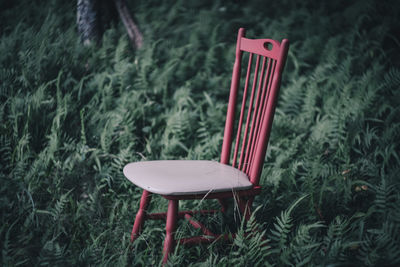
pixel 72 117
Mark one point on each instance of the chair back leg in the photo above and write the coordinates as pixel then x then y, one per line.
pixel 172 218
pixel 245 205
pixel 224 204
pixel 141 215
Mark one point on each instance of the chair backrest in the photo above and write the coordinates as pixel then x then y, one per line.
pixel 260 92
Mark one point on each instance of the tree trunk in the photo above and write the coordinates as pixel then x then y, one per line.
pixel 133 31
pixel 87 20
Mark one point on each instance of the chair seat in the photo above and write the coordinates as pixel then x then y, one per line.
pixel 186 177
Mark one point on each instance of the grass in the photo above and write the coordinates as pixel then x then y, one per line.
pixel 73 116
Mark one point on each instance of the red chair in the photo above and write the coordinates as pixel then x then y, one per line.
pixel 187 179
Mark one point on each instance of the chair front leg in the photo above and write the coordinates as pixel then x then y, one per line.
pixel 172 218
pixel 141 215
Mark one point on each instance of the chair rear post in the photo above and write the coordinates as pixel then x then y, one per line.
pixel 230 116
pixel 261 148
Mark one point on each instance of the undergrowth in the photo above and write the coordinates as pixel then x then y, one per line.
pixel 73 116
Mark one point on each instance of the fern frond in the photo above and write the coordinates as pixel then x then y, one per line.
pixel 283 227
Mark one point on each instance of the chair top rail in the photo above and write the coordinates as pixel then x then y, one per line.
pixel 264 47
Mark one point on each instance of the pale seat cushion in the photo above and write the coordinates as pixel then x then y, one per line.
pixel 185 177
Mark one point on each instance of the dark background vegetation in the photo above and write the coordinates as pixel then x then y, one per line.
pixel 73 116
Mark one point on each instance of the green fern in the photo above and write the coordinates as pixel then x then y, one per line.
pixel 72 116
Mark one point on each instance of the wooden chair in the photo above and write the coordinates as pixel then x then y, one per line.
pixel 187 179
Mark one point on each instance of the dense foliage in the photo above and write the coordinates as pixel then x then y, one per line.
pixel 72 117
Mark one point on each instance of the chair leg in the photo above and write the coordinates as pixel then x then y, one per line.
pixel 245 207
pixel 172 218
pixel 141 215
pixel 249 208
pixel 224 204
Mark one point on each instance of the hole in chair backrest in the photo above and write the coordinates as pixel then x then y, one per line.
pixel 268 46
